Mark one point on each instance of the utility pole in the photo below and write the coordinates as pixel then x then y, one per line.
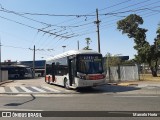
pixel 0 62
pixel 97 22
pixel 64 48
pixel 34 61
pixel 78 44
pixel 34 54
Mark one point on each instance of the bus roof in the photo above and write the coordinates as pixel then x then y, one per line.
pixel 14 66
pixel 72 52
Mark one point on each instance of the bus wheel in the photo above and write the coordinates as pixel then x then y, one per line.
pixel 66 84
pixel 49 80
pixel 45 80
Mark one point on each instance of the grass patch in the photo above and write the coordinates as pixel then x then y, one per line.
pixel 149 77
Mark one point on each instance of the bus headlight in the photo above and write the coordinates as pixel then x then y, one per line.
pixel 93 77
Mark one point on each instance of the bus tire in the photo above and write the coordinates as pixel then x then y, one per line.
pixel 49 80
pixel 45 79
pixel 66 85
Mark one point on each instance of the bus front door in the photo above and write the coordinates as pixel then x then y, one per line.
pixel 71 71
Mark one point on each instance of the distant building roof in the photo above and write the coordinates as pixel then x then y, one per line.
pixel 39 64
pixel 124 57
pixel 121 57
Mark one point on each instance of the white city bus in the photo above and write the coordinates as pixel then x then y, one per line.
pixel 74 69
pixel 18 71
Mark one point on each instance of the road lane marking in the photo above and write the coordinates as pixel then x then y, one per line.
pixel 48 88
pixel 31 89
pixel 5 109
pixel 40 90
pixel 25 89
pixel 137 96
pixel 2 90
pixel 13 89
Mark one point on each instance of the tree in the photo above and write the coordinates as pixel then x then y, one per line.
pixel 156 50
pixel 146 53
pixel 112 60
pixel 88 41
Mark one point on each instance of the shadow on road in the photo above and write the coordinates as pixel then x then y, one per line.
pixel 17 104
pixel 107 89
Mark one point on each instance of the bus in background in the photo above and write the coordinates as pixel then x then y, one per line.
pixel 75 69
pixel 18 71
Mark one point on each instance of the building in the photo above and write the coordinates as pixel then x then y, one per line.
pixel 39 66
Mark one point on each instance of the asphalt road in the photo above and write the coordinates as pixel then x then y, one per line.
pixel 104 98
pixel 39 86
pixel 81 102
pixel 87 102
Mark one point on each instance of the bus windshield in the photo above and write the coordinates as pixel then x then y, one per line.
pixel 89 64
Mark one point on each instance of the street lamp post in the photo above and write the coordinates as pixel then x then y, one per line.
pixel 0 62
pixel 64 48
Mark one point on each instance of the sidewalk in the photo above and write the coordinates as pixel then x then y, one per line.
pixel 7 81
pixel 143 83
pixel 137 88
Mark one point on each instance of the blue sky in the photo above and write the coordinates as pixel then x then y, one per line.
pixel 19 32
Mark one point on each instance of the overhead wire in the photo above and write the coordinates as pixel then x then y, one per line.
pixel 45 31
pixel 22 48
pixel 94 12
pixel 132 10
pixel 42 29
pixel 113 14
pixel 122 16
pixel 113 24
pixel 122 2
pixel 48 25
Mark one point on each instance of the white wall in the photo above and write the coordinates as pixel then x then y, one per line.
pixel 4 75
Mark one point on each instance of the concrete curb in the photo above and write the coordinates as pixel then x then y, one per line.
pixel 112 84
pixel 7 81
pixel 128 84
pixel 123 84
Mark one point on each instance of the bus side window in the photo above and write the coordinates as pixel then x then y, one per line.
pixel 48 69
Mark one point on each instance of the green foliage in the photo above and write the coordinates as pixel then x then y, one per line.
pixel 88 41
pixel 157 43
pixel 130 25
pixel 128 62
pixel 146 53
pixel 112 60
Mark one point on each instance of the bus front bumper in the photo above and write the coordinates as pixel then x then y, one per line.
pixel 90 83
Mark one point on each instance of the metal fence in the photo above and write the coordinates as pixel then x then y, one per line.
pixel 123 73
